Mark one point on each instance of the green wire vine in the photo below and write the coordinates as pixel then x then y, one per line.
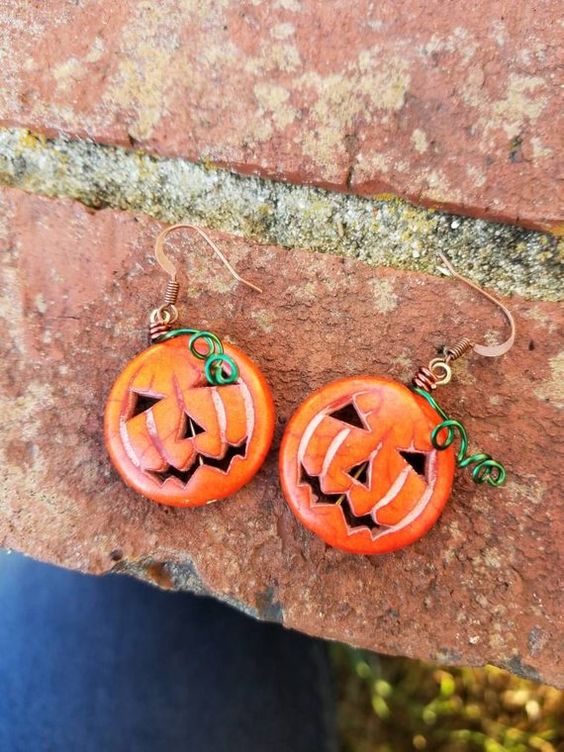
pixel 219 368
pixel 486 469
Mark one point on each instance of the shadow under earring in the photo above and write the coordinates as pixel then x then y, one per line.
pixel 368 464
pixel 190 419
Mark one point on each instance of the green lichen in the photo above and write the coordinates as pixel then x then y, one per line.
pixel 383 231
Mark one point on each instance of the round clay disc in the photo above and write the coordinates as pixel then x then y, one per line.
pixel 358 467
pixel 176 439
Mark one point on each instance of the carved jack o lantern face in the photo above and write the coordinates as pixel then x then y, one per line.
pixel 176 439
pixel 358 467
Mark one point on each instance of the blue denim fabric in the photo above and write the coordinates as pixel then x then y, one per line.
pixel 109 664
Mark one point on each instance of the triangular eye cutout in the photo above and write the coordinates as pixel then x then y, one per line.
pixel 349 414
pixel 143 402
pixel 191 428
pixel 417 460
pixel 360 473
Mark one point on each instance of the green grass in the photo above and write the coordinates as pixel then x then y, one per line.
pixel 395 704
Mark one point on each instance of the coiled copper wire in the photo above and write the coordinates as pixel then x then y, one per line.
pixel 157 329
pixel 171 292
pixel 161 321
pixel 163 317
pixel 425 379
pixel 438 371
pixel 458 350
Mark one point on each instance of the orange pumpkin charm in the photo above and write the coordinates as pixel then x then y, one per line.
pixel 179 440
pixel 358 466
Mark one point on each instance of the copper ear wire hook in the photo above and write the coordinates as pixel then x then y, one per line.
pixel 438 371
pixel 166 264
pixel 162 318
pixel 489 351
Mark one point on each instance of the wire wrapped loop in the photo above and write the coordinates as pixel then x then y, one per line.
pixel 212 342
pixel 485 469
pixel 437 373
pixel 425 379
pixel 449 427
pixel 220 369
pixel 161 320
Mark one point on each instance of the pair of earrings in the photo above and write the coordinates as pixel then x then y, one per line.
pixel 366 463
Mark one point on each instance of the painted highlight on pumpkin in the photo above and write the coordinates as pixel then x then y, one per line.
pixel 249 409
pixel 421 505
pixel 221 416
pixel 306 438
pixel 333 449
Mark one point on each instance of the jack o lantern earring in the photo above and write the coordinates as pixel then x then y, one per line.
pixel 190 419
pixel 367 463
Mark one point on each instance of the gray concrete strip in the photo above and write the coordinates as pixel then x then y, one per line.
pixel 383 232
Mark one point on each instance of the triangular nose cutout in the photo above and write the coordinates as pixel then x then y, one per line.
pixel 360 473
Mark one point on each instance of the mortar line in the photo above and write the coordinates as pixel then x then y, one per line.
pixel 382 232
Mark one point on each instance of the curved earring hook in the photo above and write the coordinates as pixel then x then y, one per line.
pixel 490 351
pixel 166 264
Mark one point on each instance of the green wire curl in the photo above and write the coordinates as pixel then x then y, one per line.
pixel 486 469
pixel 215 358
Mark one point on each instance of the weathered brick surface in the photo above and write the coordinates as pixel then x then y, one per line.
pixel 481 586
pixel 453 105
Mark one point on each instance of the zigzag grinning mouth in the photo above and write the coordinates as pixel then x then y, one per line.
pixel 222 464
pixel 340 499
pixel 418 461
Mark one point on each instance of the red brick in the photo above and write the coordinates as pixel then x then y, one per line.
pixel 455 106
pixel 481 586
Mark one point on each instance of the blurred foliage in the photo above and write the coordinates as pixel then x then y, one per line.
pixel 389 704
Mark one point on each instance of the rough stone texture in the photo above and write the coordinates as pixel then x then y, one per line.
pixel 482 586
pixel 455 106
pixel 387 232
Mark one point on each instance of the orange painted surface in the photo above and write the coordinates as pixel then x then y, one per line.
pixel 358 468
pixel 176 439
